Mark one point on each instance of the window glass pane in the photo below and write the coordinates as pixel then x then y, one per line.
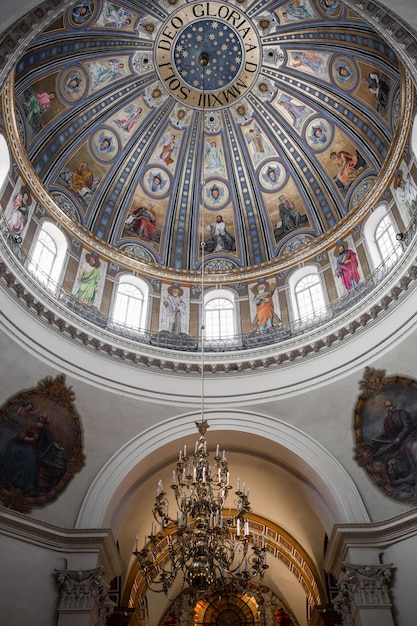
pixel 128 306
pixel 386 241
pixel 309 296
pixel 219 321
pixel 43 258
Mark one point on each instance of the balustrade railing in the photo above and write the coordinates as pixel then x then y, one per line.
pixel 188 343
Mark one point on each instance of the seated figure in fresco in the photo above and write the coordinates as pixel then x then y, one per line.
pixel 82 181
pixel 220 239
pixel 349 167
pixel 289 215
pixel 144 222
pixel 379 88
pixel 35 105
pixel 398 434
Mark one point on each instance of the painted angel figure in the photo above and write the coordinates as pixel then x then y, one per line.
pixel 297 10
pixel 296 112
pixel 105 143
pixel 343 72
pixel 215 193
pixel 213 157
pixel 102 74
pixel 115 16
pixel 131 115
pixel 169 148
pixel 315 62
pixel 257 141
pixel 73 83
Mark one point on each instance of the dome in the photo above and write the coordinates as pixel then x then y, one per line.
pixel 132 127
pixel 145 128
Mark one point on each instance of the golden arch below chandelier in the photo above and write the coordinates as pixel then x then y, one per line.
pixel 280 545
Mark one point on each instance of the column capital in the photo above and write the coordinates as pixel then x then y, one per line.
pixel 84 591
pixel 362 587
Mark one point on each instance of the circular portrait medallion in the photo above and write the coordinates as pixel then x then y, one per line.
pixel 272 175
pixel 344 72
pixel 105 144
pixel 386 433
pixel 216 194
pixel 156 182
pixel 73 84
pixel 318 134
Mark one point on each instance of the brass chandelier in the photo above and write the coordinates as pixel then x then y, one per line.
pixel 208 547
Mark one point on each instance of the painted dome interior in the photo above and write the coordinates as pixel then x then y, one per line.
pixel 147 122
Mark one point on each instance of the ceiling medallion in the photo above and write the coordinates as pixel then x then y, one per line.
pixel 221 35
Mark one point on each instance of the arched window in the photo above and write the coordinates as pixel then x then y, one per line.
pixel 130 303
pixel 47 255
pixel 381 238
pixel 4 160
pixel 307 296
pixel 220 315
pixel 386 241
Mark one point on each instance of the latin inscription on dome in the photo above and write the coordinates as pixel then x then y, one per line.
pixel 207 55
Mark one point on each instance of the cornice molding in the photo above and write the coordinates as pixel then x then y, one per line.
pixel 372 536
pixel 99 543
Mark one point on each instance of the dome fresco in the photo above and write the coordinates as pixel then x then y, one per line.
pixel 266 129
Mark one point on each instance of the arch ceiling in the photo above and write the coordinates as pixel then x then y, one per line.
pixel 144 121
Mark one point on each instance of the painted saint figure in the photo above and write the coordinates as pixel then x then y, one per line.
pixel 82 181
pixel 169 149
pixel 144 222
pixel 347 266
pixel 349 167
pixel 20 208
pixel 289 215
pixel 220 239
pixel 379 88
pixel 89 278
pixel 37 104
pixel 265 315
pixel 176 308
pixel 24 453
pixel 406 192
pixel 397 444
